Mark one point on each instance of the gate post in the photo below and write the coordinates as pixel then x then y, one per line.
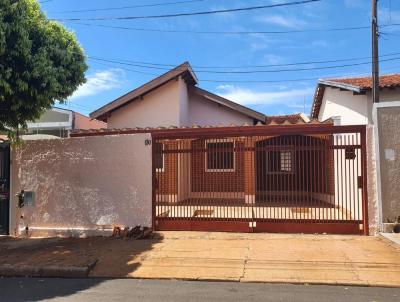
pixel 364 180
pixel 249 172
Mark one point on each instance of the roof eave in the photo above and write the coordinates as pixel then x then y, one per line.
pixel 230 104
pixel 340 85
pixel 105 110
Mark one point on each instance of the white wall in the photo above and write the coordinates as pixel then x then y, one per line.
pixel 157 108
pixel 83 183
pixel 205 112
pixel 353 109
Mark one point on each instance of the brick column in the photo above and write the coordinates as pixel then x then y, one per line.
pixel 249 172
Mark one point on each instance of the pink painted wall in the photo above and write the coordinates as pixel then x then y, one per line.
pixel 157 108
pixel 204 112
pixel 84 122
pixel 174 105
pixel 89 183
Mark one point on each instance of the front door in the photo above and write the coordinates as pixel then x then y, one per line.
pixel 4 188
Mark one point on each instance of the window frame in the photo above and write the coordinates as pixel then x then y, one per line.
pixel 292 160
pixel 206 169
pixel 163 159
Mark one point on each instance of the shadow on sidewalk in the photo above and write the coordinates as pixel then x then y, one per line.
pixel 115 258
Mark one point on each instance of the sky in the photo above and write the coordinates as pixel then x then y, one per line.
pixel 140 55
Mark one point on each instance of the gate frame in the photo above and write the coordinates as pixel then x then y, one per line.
pixel 262 130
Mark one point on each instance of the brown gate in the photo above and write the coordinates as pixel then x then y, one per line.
pixel 298 179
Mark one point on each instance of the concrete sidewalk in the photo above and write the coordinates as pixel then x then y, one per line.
pixel 317 259
pixel 354 260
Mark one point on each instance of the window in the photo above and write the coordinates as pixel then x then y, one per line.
pixel 280 162
pixel 286 161
pixel 220 156
pixel 159 157
pixel 350 152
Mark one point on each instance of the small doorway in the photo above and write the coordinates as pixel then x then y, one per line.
pixel 4 187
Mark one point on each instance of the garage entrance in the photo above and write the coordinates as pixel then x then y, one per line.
pixel 300 179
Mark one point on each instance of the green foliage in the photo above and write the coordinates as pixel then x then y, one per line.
pixel 40 63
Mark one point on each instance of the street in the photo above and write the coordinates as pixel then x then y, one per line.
pixel 39 289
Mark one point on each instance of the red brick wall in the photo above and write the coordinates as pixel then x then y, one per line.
pixel 210 181
pixel 168 179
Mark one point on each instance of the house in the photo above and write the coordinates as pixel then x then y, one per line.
pixel 173 99
pixel 177 157
pixel 348 101
pixel 58 122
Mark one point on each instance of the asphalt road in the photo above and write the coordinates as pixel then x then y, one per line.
pixel 31 289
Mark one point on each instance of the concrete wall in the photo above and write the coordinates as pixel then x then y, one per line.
pixel 389 142
pixel 81 184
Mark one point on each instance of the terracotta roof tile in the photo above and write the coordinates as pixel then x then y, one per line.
pixel 282 119
pixel 386 81
pixel 286 119
pixel 362 83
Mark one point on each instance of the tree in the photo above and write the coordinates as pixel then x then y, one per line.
pixel 40 63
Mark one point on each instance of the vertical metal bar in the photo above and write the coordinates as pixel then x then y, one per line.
pixel 153 189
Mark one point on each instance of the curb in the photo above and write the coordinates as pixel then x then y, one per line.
pixel 8 270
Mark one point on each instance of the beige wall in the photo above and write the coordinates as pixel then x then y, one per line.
pixel 83 183
pixel 157 108
pixel 173 104
pixel 389 142
pixel 205 112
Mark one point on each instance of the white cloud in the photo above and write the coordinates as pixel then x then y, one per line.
pixel 284 21
pixel 272 59
pixel 99 82
pixel 247 96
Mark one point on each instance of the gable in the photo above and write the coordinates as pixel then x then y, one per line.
pixel 159 107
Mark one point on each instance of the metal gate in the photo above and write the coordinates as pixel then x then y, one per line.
pixel 4 187
pixel 297 179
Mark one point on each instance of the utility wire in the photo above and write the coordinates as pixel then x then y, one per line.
pixel 246 71
pixel 178 31
pixel 220 11
pixel 127 7
pixel 249 81
pixel 252 66
pixel 226 80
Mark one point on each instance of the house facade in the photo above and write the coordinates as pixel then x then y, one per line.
pixel 348 101
pixel 174 100
pixel 177 157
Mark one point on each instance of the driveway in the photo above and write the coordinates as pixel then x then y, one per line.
pixel 314 259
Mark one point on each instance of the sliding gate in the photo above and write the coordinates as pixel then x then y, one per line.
pixel 298 179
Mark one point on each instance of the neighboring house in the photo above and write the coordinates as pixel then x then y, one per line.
pixel 173 99
pixel 348 101
pixel 58 122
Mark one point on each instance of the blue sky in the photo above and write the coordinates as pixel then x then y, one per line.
pixel 107 81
